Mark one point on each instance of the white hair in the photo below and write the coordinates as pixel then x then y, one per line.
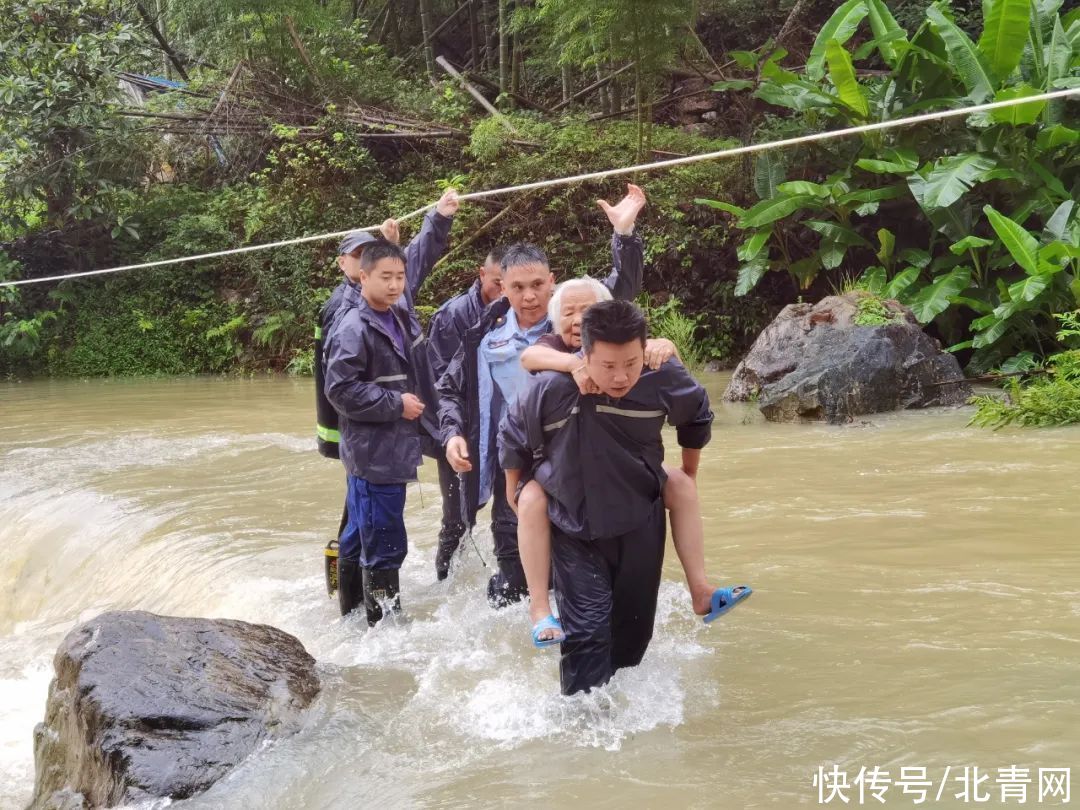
pixel 584 283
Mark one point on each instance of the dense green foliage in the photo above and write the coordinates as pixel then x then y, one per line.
pixel 924 205
pixel 258 309
pixel 63 154
pixel 1046 401
pixel 972 222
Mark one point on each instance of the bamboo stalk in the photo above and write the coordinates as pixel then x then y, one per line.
pixel 477 233
pixel 595 85
pixel 991 377
pixel 503 44
pixel 428 36
pixel 149 20
pixel 502 119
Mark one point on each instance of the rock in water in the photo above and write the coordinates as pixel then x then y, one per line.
pixel 815 363
pixel 146 706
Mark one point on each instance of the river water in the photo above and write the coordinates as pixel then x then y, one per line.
pixel 917 604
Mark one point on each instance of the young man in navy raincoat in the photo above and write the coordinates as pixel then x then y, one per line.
pixel 379 382
pixel 420 257
pixel 599 459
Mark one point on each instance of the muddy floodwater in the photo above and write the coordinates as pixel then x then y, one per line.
pixel 916 605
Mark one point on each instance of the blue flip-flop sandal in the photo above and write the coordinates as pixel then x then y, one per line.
pixel 724 599
pixel 549 622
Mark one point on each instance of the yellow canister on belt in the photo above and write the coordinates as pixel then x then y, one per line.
pixel 330 557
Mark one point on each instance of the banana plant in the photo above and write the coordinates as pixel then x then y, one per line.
pixel 949 184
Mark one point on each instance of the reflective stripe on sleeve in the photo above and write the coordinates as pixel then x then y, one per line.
pixel 328 434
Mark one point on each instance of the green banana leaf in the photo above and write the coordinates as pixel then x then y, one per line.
pixel 804 187
pixel 1055 136
pixel 964 56
pixel 749 275
pixel 1059 54
pixel 969 243
pixel 840 26
pixel 891 39
pixel 1004 35
pixel 768 174
pixel 948 179
pixel 887 241
pixel 935 297
pixel 723 206
pixel 1022 246
pixel 896 161
pixel 873 280
pixel 1028 289
pixel 842 74
pixel 768 211
pixel 752 247
pixel 1018 114
pixel 901 281
pixel 1056 227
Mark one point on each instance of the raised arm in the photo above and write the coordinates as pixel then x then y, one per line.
pixel 627 250
pixel 430 244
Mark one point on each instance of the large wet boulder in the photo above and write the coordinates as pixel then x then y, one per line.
pixel 815 362
pixel 145 706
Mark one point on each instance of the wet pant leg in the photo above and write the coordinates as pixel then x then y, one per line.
pixel 376 525
pixel 453 526
pixel 606 591
pixel 503 522
pixel 583 571
pixel 348 531
pixel 634 590
pixel 508 584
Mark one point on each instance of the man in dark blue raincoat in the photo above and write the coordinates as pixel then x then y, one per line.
pixel 599 459
pixel 445 335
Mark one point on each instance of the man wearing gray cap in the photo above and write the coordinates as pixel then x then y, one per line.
pixel 421 254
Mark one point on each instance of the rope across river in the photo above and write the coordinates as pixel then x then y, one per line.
pixel 579 178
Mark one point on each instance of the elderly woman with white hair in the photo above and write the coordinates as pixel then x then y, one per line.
pixel 558 352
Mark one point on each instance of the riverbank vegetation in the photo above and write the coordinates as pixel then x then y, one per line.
pixel 148 130
pixel 1053 398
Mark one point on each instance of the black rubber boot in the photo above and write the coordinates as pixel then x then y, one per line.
pixel 380 588
pixel 350 585
pixel 449 540
pixel 507 585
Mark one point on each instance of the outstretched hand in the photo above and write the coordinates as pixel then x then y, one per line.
pixel 624 214
pixel 391 231
pixel 448 203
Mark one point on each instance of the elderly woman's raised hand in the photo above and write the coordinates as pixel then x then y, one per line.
pixel 624 214
pixel 584 382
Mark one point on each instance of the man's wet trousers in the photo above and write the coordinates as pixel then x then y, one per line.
pixel 606 592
